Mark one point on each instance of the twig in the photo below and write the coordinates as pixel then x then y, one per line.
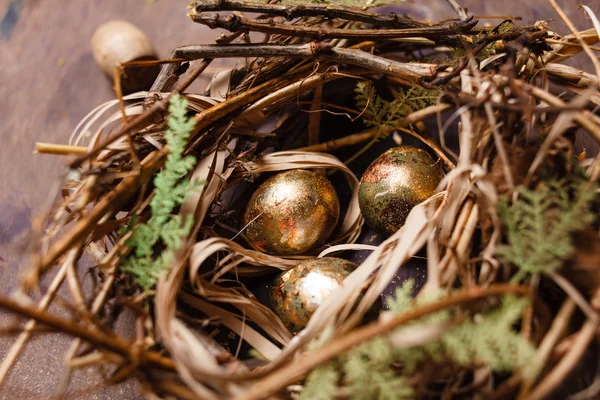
pixel 503 17
pixel 278 95
pixel 575 32
pixel 574 294
pixel 73 283
pixel 345 111
pixel 165 84
pixel 580 117
pixel 111 202
pixel 500 148
pixel 100 298
pixel 137 123
pixel 438 151
pixel 411 72
pixel 556 331
pixel 234 104
pixel 567 363
pixel 235 23
pixel 370 133
pixel 307 10
pixel 574 76
pixel 284 376
pixel 346 141
pixel 141 121
pixel 570 44
pixel 566 49
pixel 458 242
pixel 172 387
pixel 482 44
pixel 113 344
pixel 462 14
pixel 30 326
pixel 59 149
pixel 314 50
pixel 314 119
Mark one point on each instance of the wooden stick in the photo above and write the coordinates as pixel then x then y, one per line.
pixel 313 50
pixel 371 133
pixel 438 151
pixel 556 331
pixel 31 325
pixel 113 344
pixel 288 11
pixel 314 119
pixel 578 35
pixel 341 142
pixel 59 149
pixel 556 376
pixel 580 117
pixel 571 75
pixel 235 23
pixel 571 44
pixel 112 201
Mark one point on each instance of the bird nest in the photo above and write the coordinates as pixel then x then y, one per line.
pixel 488 289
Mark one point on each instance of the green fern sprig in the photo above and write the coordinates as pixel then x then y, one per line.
pixel 385 115
pixel 491 340
pixel 377 370
pixel 322 384
pixel 485 339
pixel 170 191
pixel 369 373
pixel 539 225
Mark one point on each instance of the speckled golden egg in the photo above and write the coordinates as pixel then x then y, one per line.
pixel 299 291
pixel 292 213
pixel 394 183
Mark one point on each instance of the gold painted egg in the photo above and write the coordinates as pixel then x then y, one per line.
pixel 299 291
pixel 292 213
pixel 393 184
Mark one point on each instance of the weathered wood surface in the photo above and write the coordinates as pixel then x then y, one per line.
pixel 48 82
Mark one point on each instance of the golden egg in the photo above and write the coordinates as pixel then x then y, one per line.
pixel 291 213
pixel 298 292
pixel 394 183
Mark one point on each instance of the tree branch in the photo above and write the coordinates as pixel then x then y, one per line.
pixel 235 23
pixel 313 50
pixel 309 10
pixel 112 344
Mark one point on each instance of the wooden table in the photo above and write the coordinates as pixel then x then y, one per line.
pixel 48 82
